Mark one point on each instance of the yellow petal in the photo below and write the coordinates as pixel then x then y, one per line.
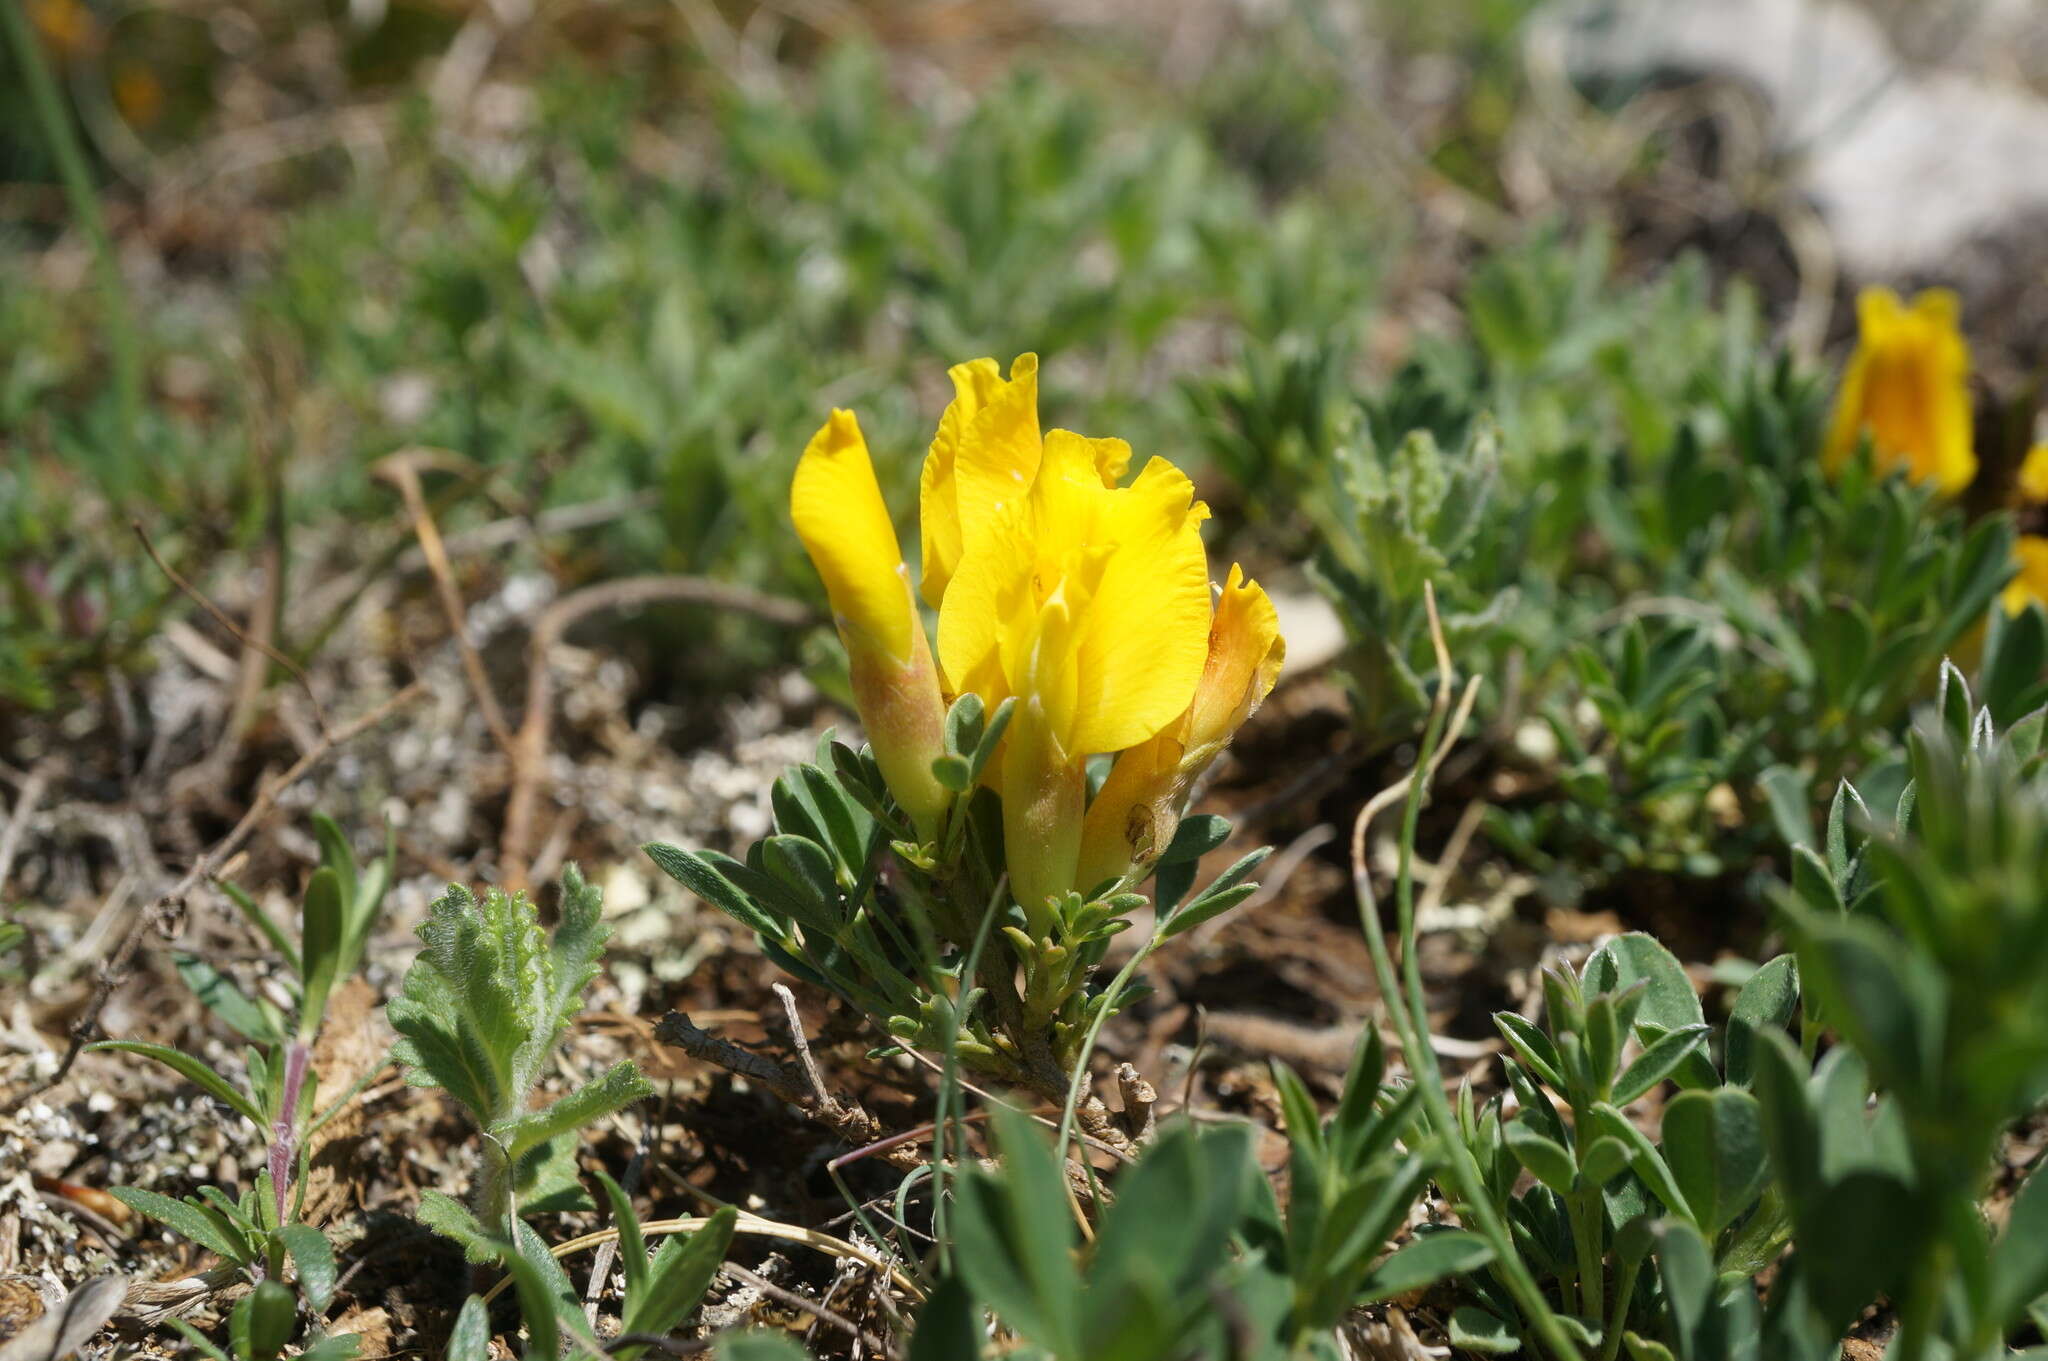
pixel 1135 813
pixel 2030 586
pixel 1146 633
pixel 1907 388
pixel 839 514
pixel 983 458
pixel 845 527
pixel 2033 479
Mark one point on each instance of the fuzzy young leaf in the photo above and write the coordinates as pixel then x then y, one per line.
pixel 620 1086
pixel 479 1008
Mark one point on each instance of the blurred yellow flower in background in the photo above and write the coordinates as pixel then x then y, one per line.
pixel 1085 600
pixel 1907 388
pixel 2030 553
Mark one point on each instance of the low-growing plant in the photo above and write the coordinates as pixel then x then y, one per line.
pixel 1924 946
pixel 259 1230
pixel 661 1291
pixel 479 1015
pixel 1706 623
pixel 960 880
pixel 1612 1033
pixel 1195 1256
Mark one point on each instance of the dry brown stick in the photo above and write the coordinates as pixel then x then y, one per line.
pixel 797 1302
pixel 39 777
pixel 220 617
pixel 850 1121
pixel 402 471
pixel 168 909
pixel 529 751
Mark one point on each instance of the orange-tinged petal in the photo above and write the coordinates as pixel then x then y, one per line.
pixel 1245 654
pixel 841 518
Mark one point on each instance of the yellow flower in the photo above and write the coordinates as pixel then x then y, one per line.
pixel 1089 603
pixel 1138 808
pixel 2033 478
pixel 1085 600
pixel 845 526
pixel 2030 551
pixel 2030 554
pixel 1907 388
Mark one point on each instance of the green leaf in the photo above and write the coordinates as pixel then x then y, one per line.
pixel 225 1000
pixel 340 1347
pixel 681 1273
pixel 1714 1144
pixel 1643 1158
pixel 1551 1163
pixel 1425 1261
pixel 471 1338
pixel 1659 1059
pixel 758 1344
pixel 1205 908
pixel 320 934
pixel 1767 1000
pixel 1013 1240
pixel 1475 1330
pixel 694 873
pixel 450 1218
pixel 2019 1260
pixel 194 1070
pixel 313 1255
pixel 949 1325
pixel 1669 1002
pixel 1532 1046
pixel 632 1245
pixel 198 1339
pixel 620 1086
pixel 206 1227
pixel 577 945
pixel 272 1313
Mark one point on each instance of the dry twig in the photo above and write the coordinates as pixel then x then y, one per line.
pixel 220 617
pixel 167 912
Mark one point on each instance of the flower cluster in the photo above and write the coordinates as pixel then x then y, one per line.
pixel 1085 600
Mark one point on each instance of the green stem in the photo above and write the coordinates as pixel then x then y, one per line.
pixel 1411 1023
pixel 1586 1236
pixel 62 139
pixel 1922 1303
pixel 1624 1291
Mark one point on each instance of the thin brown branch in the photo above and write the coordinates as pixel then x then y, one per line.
pixel 791 1299
pixel 166 914
pixel 402 471
pixel 32 790
pixel 529 751
pixel 220 617
pixel 847 1119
